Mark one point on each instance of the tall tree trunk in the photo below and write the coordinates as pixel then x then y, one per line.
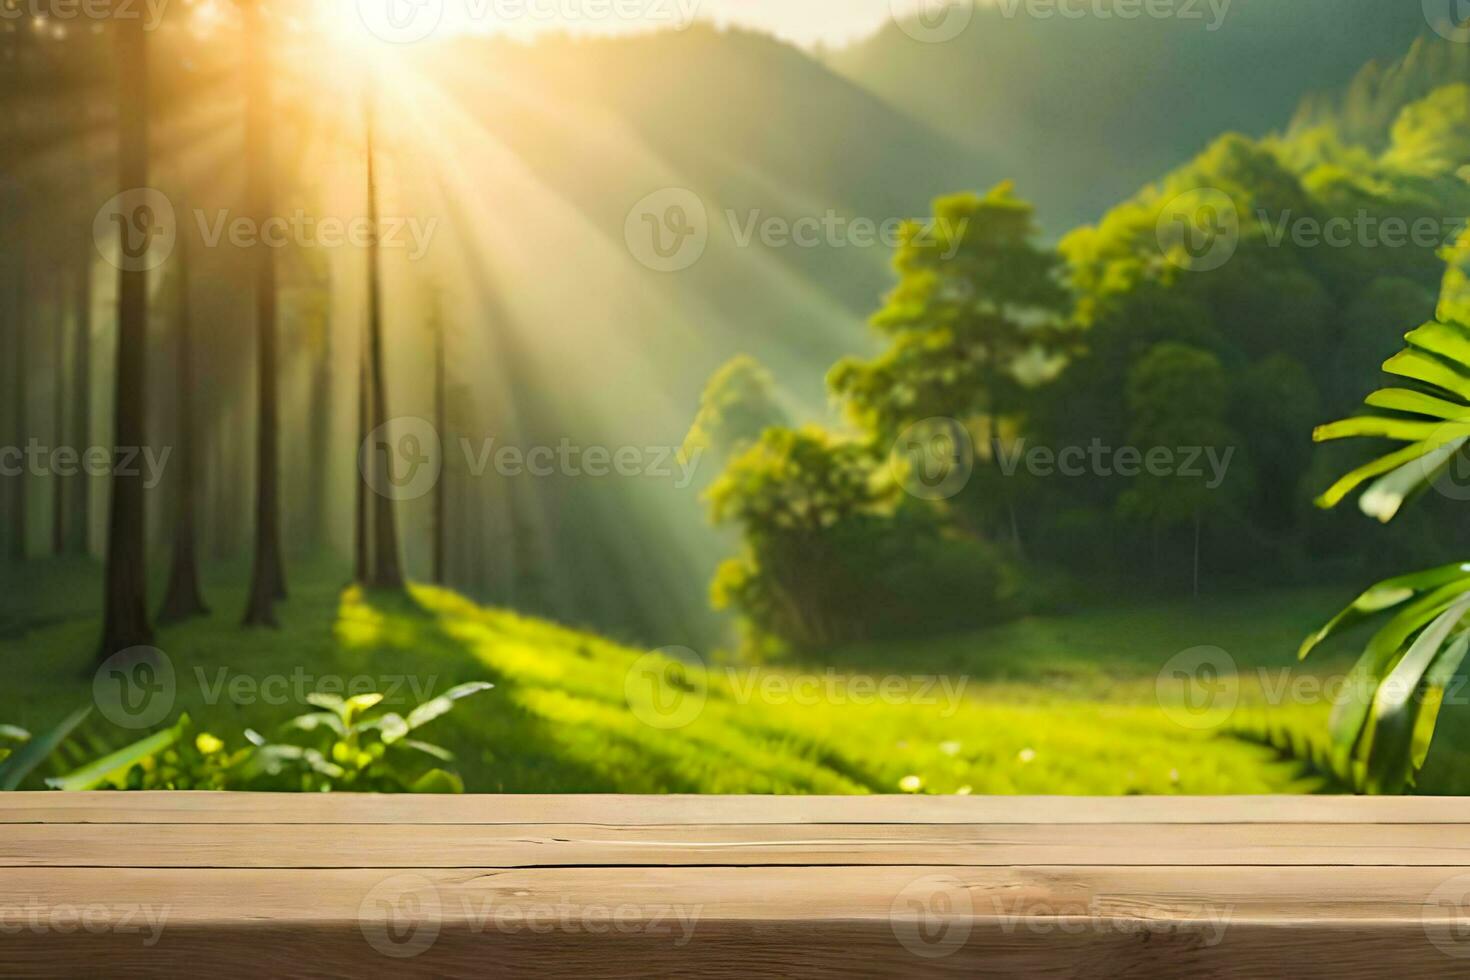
pixel 58 418
pixel 319 502
pixel 441 425
pixel 222 500
pixel 360 550
pixel 1196 552
pixel 125 611
pixel 385 571
pixel 268 577
pixel 81 493
pixel 19 526
pixel 183 600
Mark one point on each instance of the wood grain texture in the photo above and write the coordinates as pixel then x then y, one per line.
pixel 635 810
pixel 740 845
pixel 135 885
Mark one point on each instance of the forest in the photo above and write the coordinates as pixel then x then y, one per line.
pixel 649 410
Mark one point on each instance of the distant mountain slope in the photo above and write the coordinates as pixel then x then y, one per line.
pixel 1364 111
pixel 561 139
pixel 557 144
pixel 1083 111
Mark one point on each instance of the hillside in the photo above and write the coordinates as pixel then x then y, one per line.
pixel 1082 111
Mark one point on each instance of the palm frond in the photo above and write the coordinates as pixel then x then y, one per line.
pixel 1382 727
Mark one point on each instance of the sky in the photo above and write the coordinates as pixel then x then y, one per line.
pixel 805 22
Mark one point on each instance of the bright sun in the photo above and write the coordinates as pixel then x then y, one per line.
pixel 362 30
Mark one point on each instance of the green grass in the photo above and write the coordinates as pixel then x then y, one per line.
pixel 1060 704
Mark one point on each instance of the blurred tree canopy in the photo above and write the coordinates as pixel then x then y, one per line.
pixel 1228 307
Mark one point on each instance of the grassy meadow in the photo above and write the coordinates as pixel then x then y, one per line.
pixel 1064 703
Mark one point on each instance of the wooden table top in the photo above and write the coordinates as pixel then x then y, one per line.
pixel 161 884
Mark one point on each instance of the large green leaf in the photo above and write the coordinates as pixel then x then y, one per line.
pixel 1419 366
pixel 113 768
pixel 1350 715
pixel 1437 425
pixel 1436 680
pixel 1382 728
pixel 1405 430
pixel 1385 595
pixel 1417 403
pixel 435 707
pixel 15 769
pixel 1383 499
pixel 1450 341
pixel 1334 494
pixel 1397 702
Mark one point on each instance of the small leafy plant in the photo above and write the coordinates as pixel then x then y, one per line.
pixel 350 745
pixel 346 745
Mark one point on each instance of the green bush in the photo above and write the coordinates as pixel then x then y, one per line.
pixel 836 553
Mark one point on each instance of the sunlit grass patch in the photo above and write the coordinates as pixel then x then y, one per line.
pixel 992 712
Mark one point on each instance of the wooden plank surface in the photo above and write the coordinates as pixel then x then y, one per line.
pixel 635 810
pixel 559 845
pixel 213 884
